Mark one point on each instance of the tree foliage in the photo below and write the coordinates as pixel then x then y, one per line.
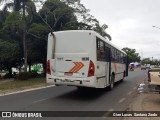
pixel 57 14
pixel 132 55
pixel 3 16
pixel 13 23
pixel 9 52
pixel 22 28
pixel 37 44
pixel 149 61
pixel 101 30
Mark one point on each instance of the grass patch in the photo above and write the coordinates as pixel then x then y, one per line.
pixel 17 84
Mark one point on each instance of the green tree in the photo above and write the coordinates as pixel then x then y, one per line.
pixel 146 61
pixel 3 16
pixel 149 61
pixel 156 62
pixel 101 30
pixel 13 30
pixel 38 34
pixel 132 55
pixel 23 6
pixel 9 59
pixel 57 15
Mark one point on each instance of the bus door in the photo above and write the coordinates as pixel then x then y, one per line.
pixel 126 61
pixel 108 63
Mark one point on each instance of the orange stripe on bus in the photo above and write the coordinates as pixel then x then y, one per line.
pixel 71 70
pixel 80 65
pixel 77 67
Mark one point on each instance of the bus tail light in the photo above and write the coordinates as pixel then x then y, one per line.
pixel 48 67
pixel 91 69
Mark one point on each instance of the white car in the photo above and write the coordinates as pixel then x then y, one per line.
pixel 154 79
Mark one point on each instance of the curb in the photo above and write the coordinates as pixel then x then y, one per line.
pixel 25 90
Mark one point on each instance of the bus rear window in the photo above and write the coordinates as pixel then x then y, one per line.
pixel 72 43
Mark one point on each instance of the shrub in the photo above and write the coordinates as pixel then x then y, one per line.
pixel 7 76
pixel 26 75
pixel 43 74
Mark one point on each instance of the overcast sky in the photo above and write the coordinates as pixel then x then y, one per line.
pixel 130 23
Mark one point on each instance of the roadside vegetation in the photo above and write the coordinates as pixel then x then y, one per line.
pixel 20 85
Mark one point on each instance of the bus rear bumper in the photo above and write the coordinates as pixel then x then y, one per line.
pixel 83 82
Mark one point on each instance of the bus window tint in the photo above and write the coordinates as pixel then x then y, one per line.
pixel 100 50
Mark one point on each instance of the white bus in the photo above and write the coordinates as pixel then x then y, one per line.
pixel 83 58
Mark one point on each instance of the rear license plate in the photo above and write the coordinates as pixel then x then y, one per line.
pixel 68 73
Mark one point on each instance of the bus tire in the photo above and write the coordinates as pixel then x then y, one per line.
pixel 111 86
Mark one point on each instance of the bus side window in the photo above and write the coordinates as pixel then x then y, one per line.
pixel 112 52
pixel 98 54
pixel 100 50
pixel 115 54
pixel 107 53
pixel 122 58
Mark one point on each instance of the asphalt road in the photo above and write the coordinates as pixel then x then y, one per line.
pixel 63 98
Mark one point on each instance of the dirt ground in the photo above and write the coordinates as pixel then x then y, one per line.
pixel 5 80
pixel 145 102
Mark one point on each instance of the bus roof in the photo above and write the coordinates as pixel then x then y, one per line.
pixel 96 34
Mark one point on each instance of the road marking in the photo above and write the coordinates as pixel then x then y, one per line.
pixel 111 109
pixel 108 112
pixel 40 100
pixel 27 90
pixel 121 100
pixel 129 93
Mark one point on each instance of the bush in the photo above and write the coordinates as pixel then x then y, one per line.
pixel 43 75
pixel 26 75
pixel 7 76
